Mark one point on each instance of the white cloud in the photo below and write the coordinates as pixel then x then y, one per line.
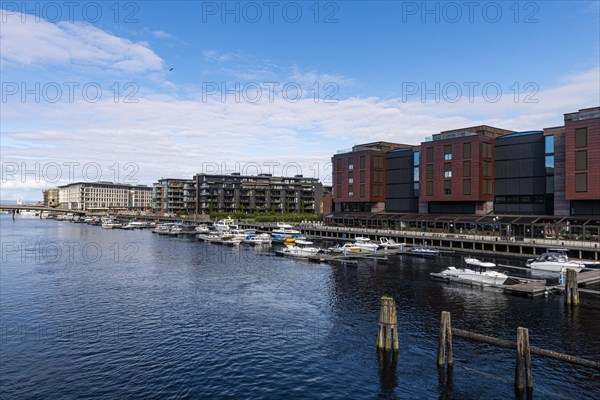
pixel 71 43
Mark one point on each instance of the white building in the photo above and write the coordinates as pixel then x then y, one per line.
pixel 104 196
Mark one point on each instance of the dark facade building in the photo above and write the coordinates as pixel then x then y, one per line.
pixel 235 192
pixel 402 180
pixel 457 171
pixel 359 177
pixel 521 172
pixel 582 161
pixel 174 196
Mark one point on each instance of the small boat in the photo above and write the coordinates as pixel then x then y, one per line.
pixel 225 225
pixel 265 238
pixel 285 231
pixel 111 224
pixel 423 252
pixel 252 240
pixel 365 244
pixel 202 229
pixel 302 248
pixel 389 244
pixel 29 213
pixel 554 262
pixel 211 237
pixel 473 271
pixel 163 229
pixel 135 224
pixel 46 215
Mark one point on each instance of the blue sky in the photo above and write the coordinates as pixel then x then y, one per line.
pixel 516 65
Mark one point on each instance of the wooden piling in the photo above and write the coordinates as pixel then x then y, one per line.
pixel 445 340
pixel 523 366
pixel 571 288
pixel 387 334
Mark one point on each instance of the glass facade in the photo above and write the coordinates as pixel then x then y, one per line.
pixel 549 162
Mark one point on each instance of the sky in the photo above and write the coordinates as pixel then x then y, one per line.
pixel 132 92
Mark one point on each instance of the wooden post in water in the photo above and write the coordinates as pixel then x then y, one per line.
pixel 523 367
pixel 387 334
pixel 445 340
pixel 571 288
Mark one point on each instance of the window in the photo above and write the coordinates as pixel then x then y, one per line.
pixel 581 182
pixel 362 176
pixel 466 150
pixel 429 154
pixel 378 162
pixel 581 160
pixel 549 144
pixel 549 184
pixel 378 190
pixel 447 170
pixel 429 188
pixel 416 174
pixel 549 162
pixel 350 181
pixel 429 171
pixel 487 187
pixel 447 187
pixel 338 191
pixel 350 194
pixel 467 186
pixel 448 153
pixel 467 168
pixel 486 150
pixel 487 168
pixel 581 137
pixel 416 159
pixel 362 190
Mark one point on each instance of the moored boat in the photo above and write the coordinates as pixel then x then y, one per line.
pixel 473 271
pixel 302 248
pixel 554 262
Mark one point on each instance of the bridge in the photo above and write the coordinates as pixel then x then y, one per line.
pixel 32 207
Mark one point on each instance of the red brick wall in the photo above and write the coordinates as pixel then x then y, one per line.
pixel 341 175
pixel 593 159
pixel 457 169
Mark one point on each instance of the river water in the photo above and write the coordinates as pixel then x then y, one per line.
pixel 99 314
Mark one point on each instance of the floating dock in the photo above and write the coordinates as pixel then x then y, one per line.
pixel 531 287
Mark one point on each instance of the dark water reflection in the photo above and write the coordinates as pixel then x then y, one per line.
pixel 132 314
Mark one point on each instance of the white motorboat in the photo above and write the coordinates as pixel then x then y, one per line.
pixel 252 240
pixel 478 263
pixel 554 262
pixel 365 244
pixel 135 224
pixel 163 229
pixel 390 244
pixel 265 238
pixel 111 224
pixel 285 231
pixel 45 214
pixel 210 237
pixel 225 225
pixel 423 252
pixel 474 271
pixel 29 213
pixel 202 229
pixel 302 248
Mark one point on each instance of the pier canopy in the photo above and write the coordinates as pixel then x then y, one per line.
pixel 509 227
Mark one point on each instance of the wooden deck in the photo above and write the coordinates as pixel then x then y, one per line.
pixel 539 288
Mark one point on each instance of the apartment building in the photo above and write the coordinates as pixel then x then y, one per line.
pixel 174 196
pixel 235 192
pixel 457 171
pixel 104 196
pixel 359 179
pixel 402 180
pixel 51 197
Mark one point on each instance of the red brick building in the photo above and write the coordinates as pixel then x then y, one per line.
pixel 359 177
pixel 582 161
pixel 457 171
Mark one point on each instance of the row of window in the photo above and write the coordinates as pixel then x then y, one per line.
pixel 486 189
pixel 486 151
